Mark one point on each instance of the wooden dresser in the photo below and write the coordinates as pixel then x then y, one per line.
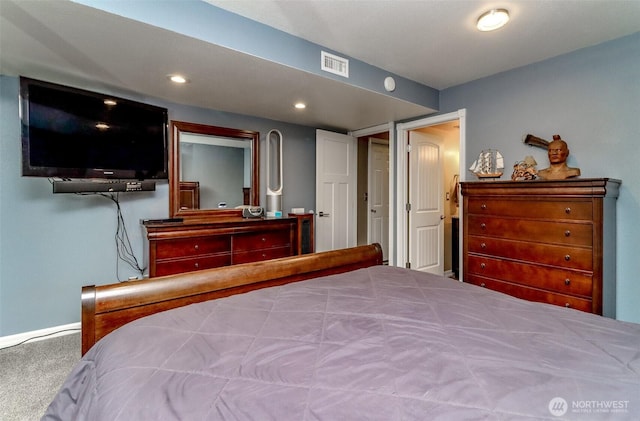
pixel 203 244
pixel 547 241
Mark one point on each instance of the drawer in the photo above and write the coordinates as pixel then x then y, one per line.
pixel 259 255
pixel 542 277
pixel 262 240
pixel 546 254
pixel 170 267
pixel 578 234
pixel 532 294
pixel 194 246
pixel 519 207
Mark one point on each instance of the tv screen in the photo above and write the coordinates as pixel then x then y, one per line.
pixel 73 133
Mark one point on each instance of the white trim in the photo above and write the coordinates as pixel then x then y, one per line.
pixel 387 127
pixel 39 335
pixel 401 174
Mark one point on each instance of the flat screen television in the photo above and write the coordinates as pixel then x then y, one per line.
pixel 73 133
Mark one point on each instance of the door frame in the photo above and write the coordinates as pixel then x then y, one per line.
pixel 388 127
pixel 402 183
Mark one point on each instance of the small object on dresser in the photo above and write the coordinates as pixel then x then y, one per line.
pixel 525 169
pixel 558 152
pixel 490 164
pixel 252 212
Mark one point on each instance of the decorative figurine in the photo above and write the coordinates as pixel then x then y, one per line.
pixel 490 164
pixel 558 169
pixel 525 169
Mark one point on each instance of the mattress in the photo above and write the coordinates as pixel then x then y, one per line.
pixel 381 343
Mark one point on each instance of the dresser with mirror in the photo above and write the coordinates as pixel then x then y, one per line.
pixel 214 173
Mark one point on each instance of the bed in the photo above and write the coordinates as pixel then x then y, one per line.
pixel 339 336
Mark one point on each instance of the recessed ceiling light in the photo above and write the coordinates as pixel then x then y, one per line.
pixel 300 105
pixel 110 102
pixel 493 19
pixel 178 79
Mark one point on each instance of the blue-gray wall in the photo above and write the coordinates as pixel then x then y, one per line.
pixel 51 245
pixel 590 97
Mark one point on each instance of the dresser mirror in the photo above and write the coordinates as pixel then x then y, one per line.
pixel 213 171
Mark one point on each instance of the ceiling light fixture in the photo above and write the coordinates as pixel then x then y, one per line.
pixel 492 20
pixel 178 79
pixel 300 105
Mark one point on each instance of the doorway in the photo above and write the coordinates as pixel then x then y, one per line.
pixel 450 130
pixel 383 135
pixel 342 189
pixel 373 191
pixel 397 136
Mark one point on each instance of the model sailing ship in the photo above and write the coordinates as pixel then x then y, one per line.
pixel 490 164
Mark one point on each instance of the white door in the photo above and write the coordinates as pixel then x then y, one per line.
pixel 378 200
pixel 426 214
pixel 336 189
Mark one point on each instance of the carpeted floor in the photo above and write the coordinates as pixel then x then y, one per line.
pixel 32 373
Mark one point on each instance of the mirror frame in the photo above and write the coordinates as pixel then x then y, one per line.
pixel 174 168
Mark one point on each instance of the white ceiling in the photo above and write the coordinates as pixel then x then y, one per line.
pixel 433 42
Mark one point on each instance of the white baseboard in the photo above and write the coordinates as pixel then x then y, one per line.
pixel 39 335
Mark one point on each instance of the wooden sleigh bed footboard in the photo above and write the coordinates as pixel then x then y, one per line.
pixel 107 307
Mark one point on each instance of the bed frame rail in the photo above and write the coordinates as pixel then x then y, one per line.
pixel 107 307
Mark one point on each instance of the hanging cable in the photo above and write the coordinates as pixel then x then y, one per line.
pixel 124 249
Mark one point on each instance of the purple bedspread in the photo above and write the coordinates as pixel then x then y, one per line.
pixel 381 343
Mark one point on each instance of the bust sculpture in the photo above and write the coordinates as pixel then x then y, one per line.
pixel 558 152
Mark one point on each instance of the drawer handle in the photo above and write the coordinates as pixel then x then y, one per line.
pixel 567 233
pixel 264 239
pixel 264 255
pixel 196 265
pixel 483 246
pixel 196 247
pixel 482 266
pixel 567 210
pixel 483 206
pixel 567 281
pixel 483 226
pixel 567 257
pixel 482 285
pixel 567 305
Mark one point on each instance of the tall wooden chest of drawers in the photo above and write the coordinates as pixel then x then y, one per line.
pixel 196 245
pixel 547 241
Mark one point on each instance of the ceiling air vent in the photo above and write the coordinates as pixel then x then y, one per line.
pixel 334 64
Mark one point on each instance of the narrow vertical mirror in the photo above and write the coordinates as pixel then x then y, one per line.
pixel 274 173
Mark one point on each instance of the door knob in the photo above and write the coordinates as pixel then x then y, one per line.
pixel 321 214
pixel 373 211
